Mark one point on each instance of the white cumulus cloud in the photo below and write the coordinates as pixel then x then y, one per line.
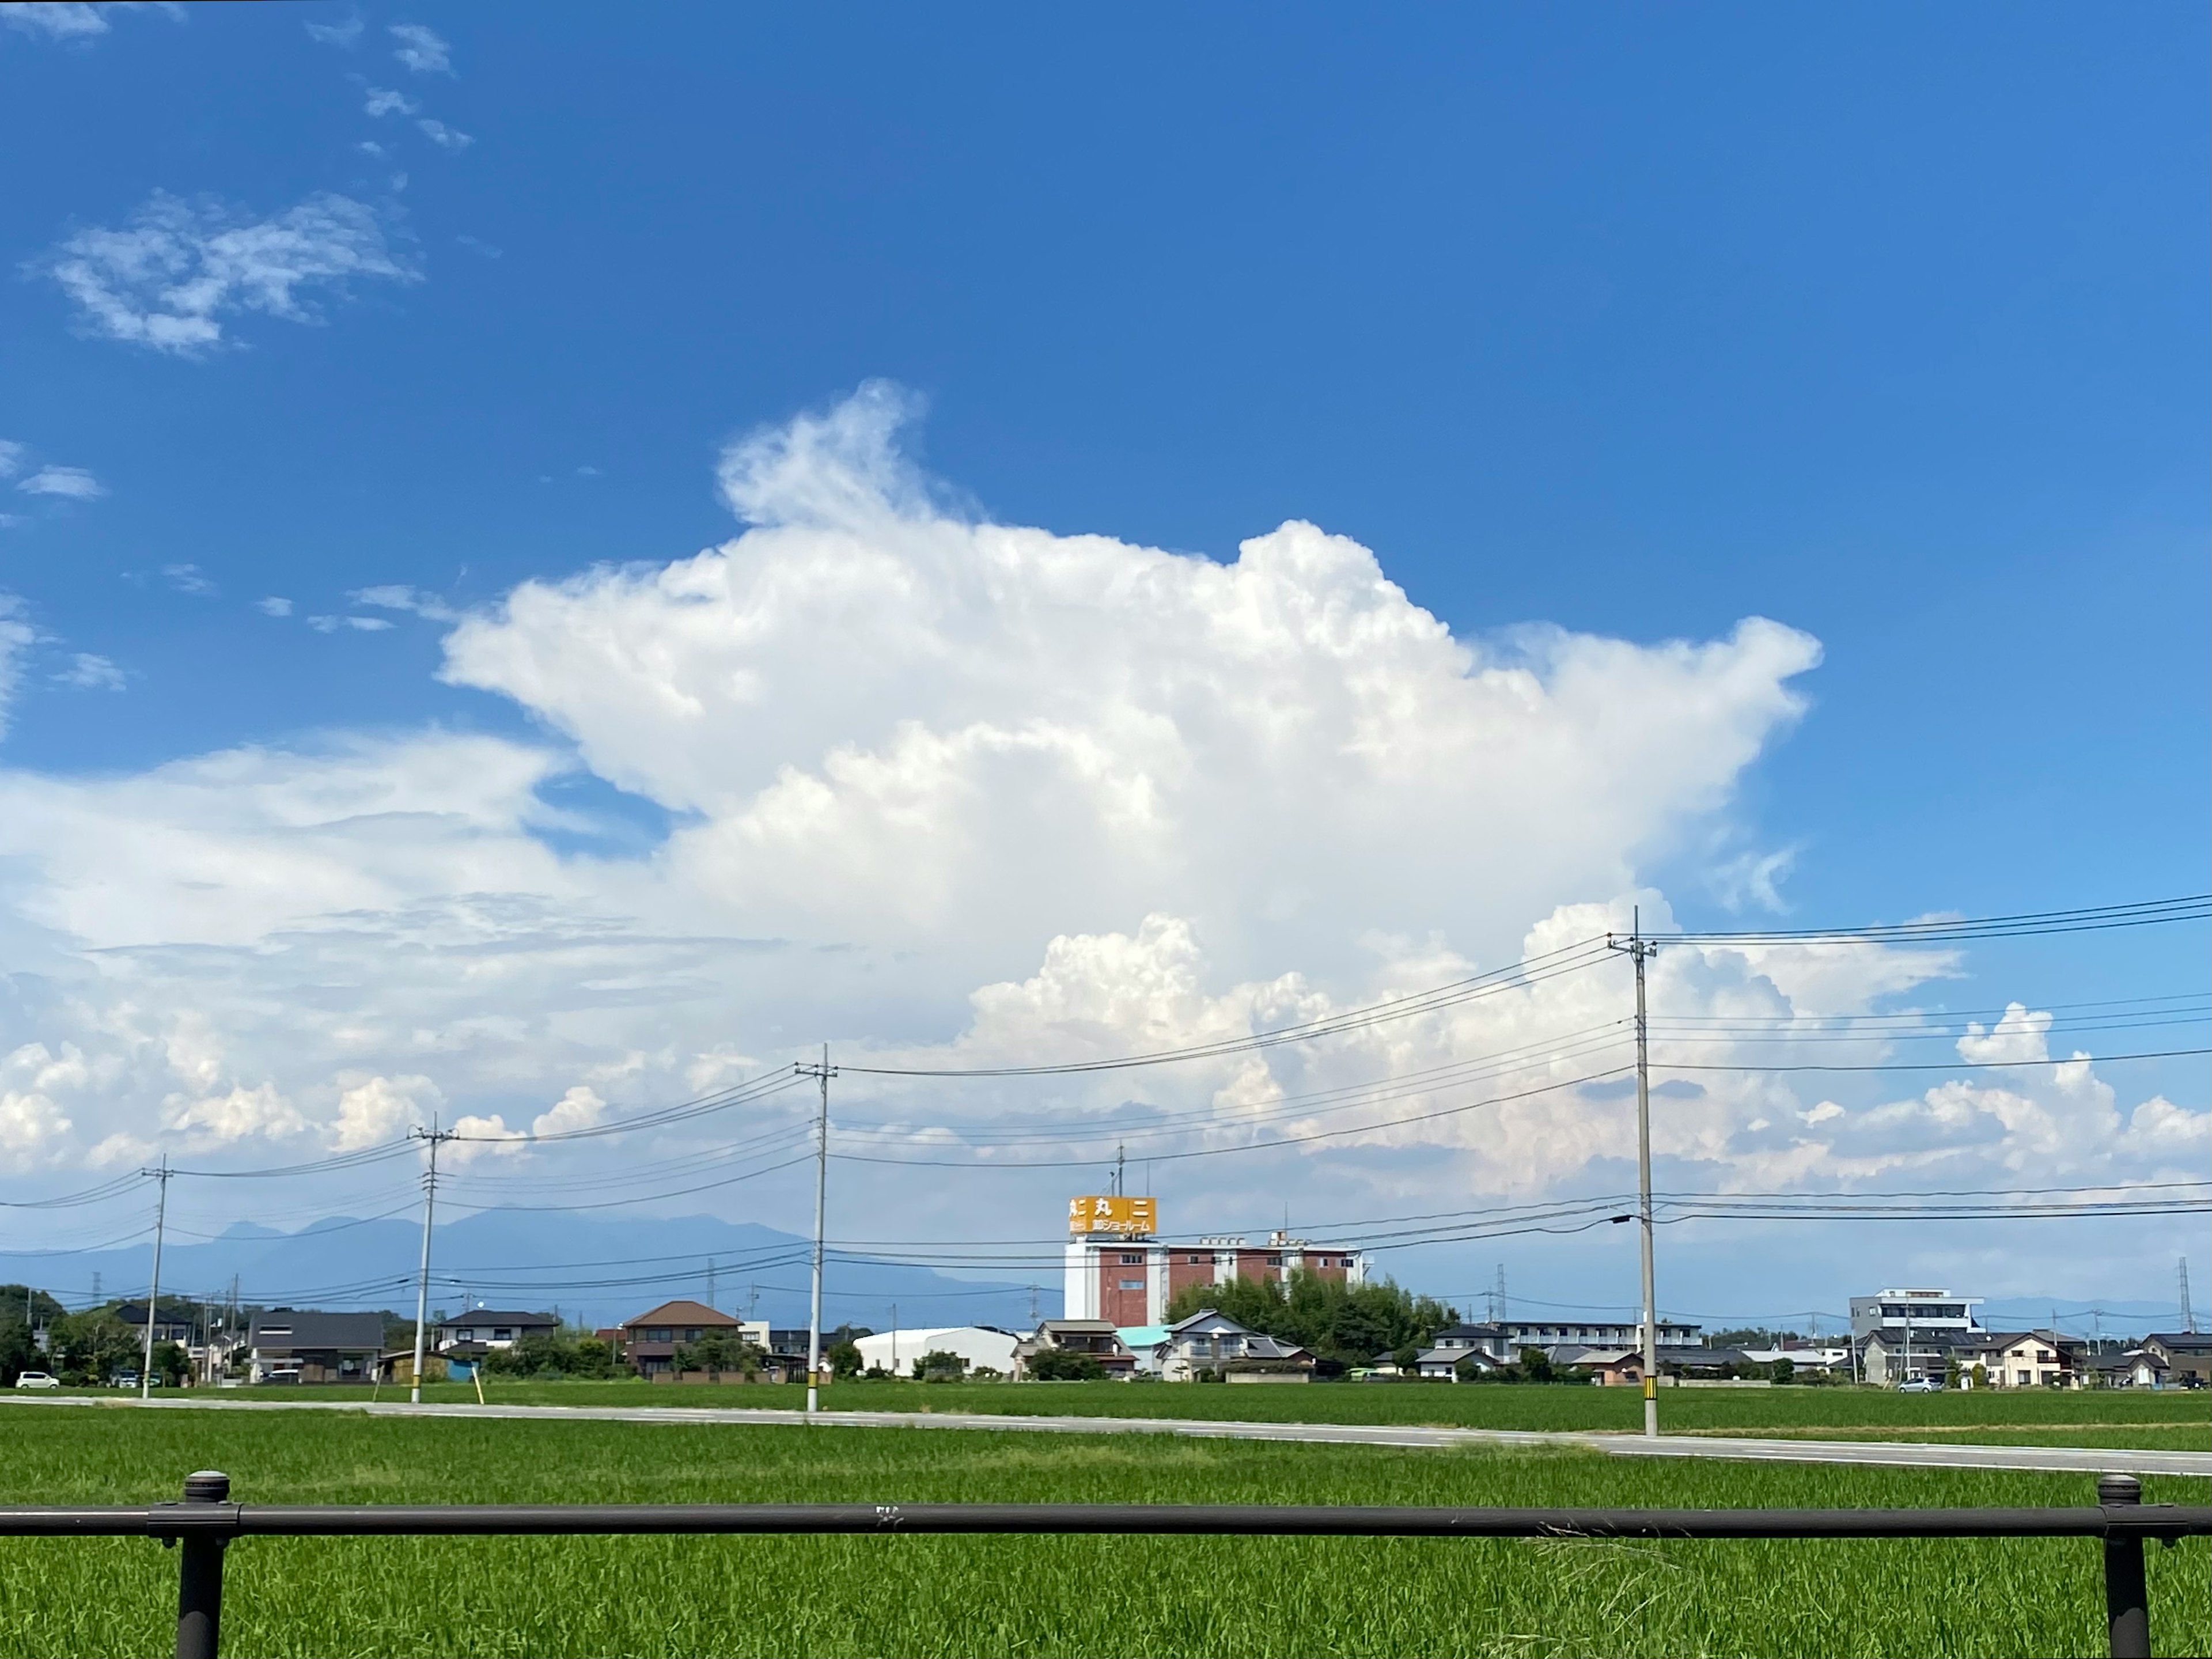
pixel 171 277
pixel 72 483
pixel 87 672
pixel 420 49
pixel 947 790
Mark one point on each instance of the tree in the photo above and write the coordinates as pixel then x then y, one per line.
pixel 716 1351
pixel 171 1362
pixel 1782 1371
pixel 1329 1318
pixel 939 1365
pixel 1470 1370
pixel 1059 1365
pixel 844 1358
pixel 18 1353
pixel 1536 1366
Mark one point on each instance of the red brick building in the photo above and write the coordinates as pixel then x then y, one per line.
pixel 1119 1270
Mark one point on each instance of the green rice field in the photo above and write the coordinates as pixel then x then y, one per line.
pixel 2173 1420
pixel 1022 1596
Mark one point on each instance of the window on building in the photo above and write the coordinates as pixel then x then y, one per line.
pixel 1197 1261
pixel 1133 1261
pixel 1133 1284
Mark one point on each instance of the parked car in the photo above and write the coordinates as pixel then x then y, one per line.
pixel 36 1380
pixel 1920 1385
pixel 124 1380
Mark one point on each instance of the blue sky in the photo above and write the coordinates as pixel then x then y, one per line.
pixel 1887 325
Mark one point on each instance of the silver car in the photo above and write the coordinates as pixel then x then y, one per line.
pixel 35 1380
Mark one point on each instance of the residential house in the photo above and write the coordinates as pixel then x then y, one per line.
pixel 1614 1367
pixel 1887 1357
pixel 1150 1345
pixel 1101 1339
pixel 1443 1362
pixel 481 1329
pixel 1212 1341
pixel 175 1324
pixel 306 1345
pixel 2187 1354
pixel 2020 1359
pixel 651 1338
pixel 2138 1368
pixel 1503 1339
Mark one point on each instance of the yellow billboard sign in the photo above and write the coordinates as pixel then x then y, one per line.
pixel 1101 1212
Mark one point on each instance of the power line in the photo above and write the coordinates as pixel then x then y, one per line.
pixel 1567 959
pixel 2195 907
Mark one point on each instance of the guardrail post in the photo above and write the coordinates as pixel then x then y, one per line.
pixel 2127 1593
pixel 199 1573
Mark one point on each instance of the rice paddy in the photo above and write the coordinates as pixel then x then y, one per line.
pixel 1022 1596
pixel 2169 1419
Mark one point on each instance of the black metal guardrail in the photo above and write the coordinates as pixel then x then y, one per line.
pixel 206 1522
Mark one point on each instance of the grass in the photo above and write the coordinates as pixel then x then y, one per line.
pixel 2169 1419
pixel 1020 1595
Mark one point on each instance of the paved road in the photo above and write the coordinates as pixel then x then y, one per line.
pixel 2068 1460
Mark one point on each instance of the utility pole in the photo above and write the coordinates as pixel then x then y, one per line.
pixel 154 1297
pixel 894 1338
pixel 1121 1171
pixel 1640 949
pixel 824 1072
pixel 710 1281
pixel 434 1137
pixel 2188 1308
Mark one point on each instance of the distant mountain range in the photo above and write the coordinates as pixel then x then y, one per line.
pixel 588 1267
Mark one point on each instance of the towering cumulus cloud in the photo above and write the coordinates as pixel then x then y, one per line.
pixel 904 726
pixel 940 789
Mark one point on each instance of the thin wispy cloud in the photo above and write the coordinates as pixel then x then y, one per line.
pixel 72 483
pixel 55 20
pixel 12 458
pixel 444 136
pixel 347 34
pixel 383 100
pixel 394 596
pixel 169 278
pixel 16 637
pixel 188 579
pixel 421 50
pixel 90 672
pixel 360 624
pixel 274 605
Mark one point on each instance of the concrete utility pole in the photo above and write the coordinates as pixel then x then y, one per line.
pixel 1640 949
pixel 824 1072
pixel 154 1297
pixel 2188 1308
pixel 435 1136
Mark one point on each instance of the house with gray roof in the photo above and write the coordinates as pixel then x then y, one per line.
pixel 306 1345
